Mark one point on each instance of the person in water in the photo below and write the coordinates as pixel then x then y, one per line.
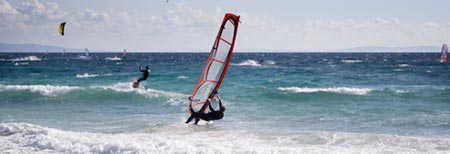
pixel 145 75
pixel 212 115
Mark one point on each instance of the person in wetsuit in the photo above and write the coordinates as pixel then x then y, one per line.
pixel 212 115
pixel 145 75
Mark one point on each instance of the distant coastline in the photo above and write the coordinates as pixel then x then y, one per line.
pixel 37 48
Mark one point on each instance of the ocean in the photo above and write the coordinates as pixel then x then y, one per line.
pixel 276 103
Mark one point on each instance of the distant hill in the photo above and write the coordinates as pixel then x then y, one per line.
pixel 392 49
pixel 34 48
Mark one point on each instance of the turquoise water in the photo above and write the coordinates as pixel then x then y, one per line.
pixel 288 103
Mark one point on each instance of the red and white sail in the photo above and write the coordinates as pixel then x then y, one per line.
pixel 216 64
pixel 444 53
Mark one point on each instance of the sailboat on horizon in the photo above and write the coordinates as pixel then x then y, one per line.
pixel 86 55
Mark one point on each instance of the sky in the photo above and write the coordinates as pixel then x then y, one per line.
pixel 191 25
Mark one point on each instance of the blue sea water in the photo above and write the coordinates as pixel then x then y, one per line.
pixel 276 103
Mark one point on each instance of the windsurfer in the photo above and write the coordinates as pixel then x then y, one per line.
pixel 146 72
pixel 212 115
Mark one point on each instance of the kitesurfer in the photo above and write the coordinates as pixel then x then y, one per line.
pixel 212 115
pixel 145 75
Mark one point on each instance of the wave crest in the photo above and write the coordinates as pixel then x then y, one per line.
pixel 86 75
pixel 182 77
pixel 339 90
pixel 351 61
pixel 249 63
pixel 121 87
pixel 21 59
pixel 29 138
pixel 174 98
pixel 46 90
pixel 113 58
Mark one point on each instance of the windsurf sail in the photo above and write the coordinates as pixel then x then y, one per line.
pixel 216 65
pixel 61 28
pixel 86 52
pixel 444 53
pixel 124 54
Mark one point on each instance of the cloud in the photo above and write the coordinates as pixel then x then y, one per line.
pixel 38 13
pixel 107 27
pixel 265 32
pixel 6 8
pixel 334 34
pixel 183 27
pixel 28 16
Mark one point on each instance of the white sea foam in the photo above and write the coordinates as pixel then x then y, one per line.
pixel 351 61
pixel 28 138
pixel 115 58
pixel 248 63
pixel 173 98
pixel 340 90
pixel 403 65
pixel 46 90
pixel 182 77
pixel 21 63
pixel 399 91
pixel 255 63
pixel 86 75
pixel 27 58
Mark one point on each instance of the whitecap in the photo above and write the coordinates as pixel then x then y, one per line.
pixel 351 61
pixel 173 98
pixel 45 90
pixel 86 75
pixel 29 138
pixel 21 63
pixel 182 77
pixel 115 58
pixel 339 90
pixel 27 58
pixel 248 63
pixel 399 91
pixel 403 65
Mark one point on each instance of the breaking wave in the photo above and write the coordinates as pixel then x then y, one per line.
pixel 182 77
pixel 55 91
pixel 248 63
pixel 29 138
pixel 21 59
pixel 86 75
pixel 113 58
pixel 339 90
pixel 45 90
pixel 351 61
pixel 255 63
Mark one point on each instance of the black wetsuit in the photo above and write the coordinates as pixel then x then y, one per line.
pixel 145 74
pixel 212 115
